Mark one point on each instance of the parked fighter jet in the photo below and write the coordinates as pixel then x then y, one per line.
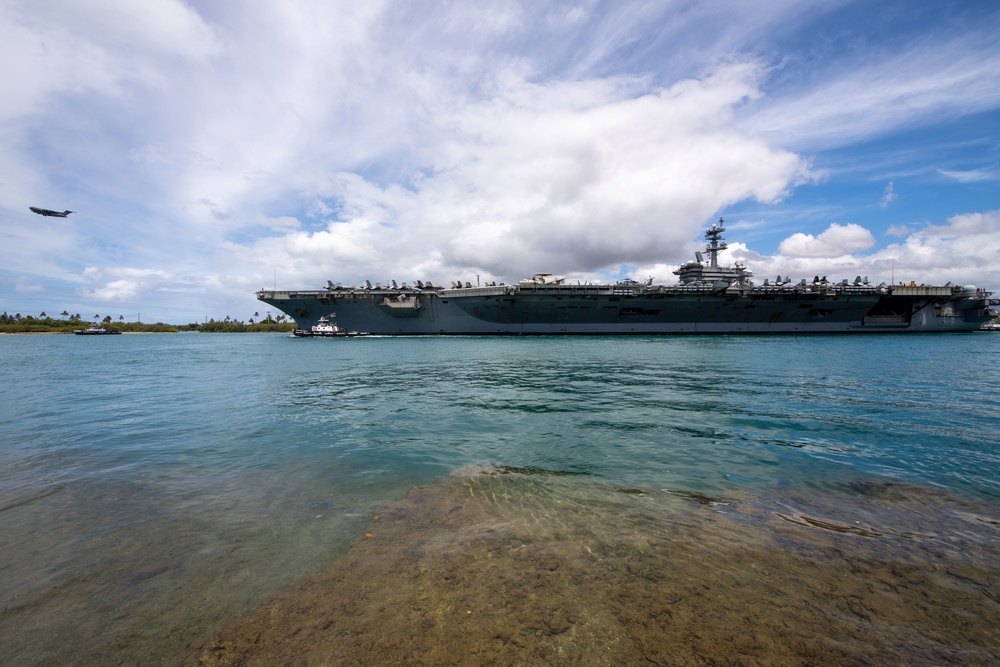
pixel 48 213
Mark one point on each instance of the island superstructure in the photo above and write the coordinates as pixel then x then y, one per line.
pixel 708 299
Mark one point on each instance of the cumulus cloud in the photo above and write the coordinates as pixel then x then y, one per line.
pixel 573 176
pixel 961 251
pixel 121 284
pixel 965 225
pixel 966 246
pixel 837 240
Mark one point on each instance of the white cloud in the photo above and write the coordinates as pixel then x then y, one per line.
pixel 972 175
pixel 965 225
pixel 284 223
pixel 561 176
pixel 963 250
pixel 72 48
pixel 25 286
pixel 122 284
pixel 919 85
pixel 888 196
pixel 967 246
pixel 836 241
pixel 72 95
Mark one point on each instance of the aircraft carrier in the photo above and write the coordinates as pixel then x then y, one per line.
pixel 708 299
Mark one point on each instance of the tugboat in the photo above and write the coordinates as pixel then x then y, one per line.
pixel 324 328
pixel 94 330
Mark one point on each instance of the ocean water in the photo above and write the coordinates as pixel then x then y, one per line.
pixel 156 488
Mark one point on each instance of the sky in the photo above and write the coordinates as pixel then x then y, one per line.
pixel 209 150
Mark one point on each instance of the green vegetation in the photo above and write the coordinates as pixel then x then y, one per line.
pixel 255 325
pixel 235 326
pixel 18 323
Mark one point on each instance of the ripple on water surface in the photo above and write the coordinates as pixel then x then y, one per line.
pixel 524 567
pixel 725 491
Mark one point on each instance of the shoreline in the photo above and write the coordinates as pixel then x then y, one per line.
pixel 179 331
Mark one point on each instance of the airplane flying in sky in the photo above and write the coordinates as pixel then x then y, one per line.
pixel 49 213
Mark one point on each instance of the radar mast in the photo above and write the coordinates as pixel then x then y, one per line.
pixel 717 244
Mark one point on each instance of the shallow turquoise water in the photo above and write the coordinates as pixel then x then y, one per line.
pixel 153 486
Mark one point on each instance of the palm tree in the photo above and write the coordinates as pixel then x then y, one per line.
pixel 65 313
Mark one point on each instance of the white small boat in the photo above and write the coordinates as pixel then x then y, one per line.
pixel 94 330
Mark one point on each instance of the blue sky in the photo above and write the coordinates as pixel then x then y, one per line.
pixel 212 149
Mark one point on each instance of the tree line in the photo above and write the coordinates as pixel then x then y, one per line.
pixel 67 323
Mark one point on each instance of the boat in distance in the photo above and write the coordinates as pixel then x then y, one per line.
pixel 95 330
pixel 708 299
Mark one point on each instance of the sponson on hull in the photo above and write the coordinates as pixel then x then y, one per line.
pixel 708 299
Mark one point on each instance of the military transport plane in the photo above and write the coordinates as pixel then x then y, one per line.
pixel 47 212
